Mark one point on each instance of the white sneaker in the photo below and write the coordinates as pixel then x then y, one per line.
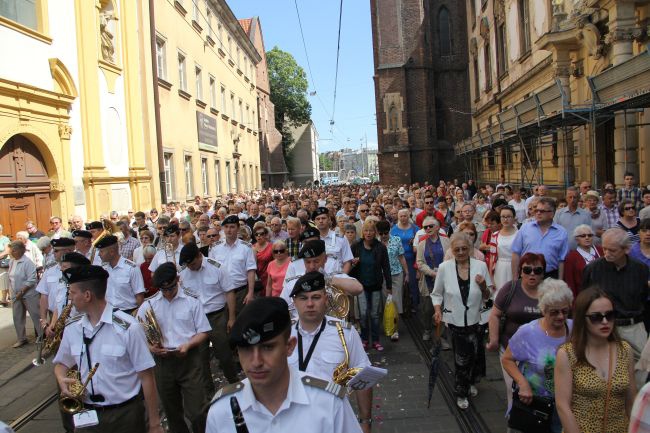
pixel 426 335
pixel 462 403
pixel 473 391
pixel 395 337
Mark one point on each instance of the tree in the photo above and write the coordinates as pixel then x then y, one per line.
pixel 325 162
pixel 289 85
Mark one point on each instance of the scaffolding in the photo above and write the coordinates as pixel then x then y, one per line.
pixel 545 116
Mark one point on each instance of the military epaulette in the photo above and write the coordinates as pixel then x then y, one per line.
pixel 227 390
pixel 248 244
pixel 344 324
pixel 219 243
pixel 295 277
pixel 331 387
pixel 190 293
pixel 339 235
pixel 130 263
pixel 214 262
pixel 120 322
pixel 73 319
pixel 49 265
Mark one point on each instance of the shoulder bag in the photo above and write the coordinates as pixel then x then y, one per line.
pixel 531 418
pixel 504 315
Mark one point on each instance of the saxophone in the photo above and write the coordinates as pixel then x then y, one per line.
pixel 74 404
pixel 342 373
pixel 48 346
pixel 151 328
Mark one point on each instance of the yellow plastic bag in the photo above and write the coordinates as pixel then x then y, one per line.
pixel 390 317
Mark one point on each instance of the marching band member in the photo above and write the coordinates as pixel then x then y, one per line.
pixel 170 250
pixel 51 276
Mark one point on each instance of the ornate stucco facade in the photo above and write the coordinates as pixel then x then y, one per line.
pixel 559 91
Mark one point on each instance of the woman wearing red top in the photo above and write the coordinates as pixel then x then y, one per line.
pixel 277 269
pixel 264 254
pixel 577 259
pixel 148 252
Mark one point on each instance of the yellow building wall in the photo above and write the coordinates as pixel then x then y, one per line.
pixel 186 33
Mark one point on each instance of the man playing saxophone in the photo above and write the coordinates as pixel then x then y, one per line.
pixel 179 365
pixel 52 276
pixel 125 284
pixel 116 342
pixel 321 351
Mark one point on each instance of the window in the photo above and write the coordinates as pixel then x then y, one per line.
pixel 213 93
pixel 169 175
pixel 247 119
pixel 238 58
pixel 223 100
pixel 161 58
pixel 524 27
pixel 195 11
pixel 208 18
pixel 487 58
pixel 198 81
pixel 472 11
pixel 490 158
pixel 220 34
pixel 502 49
pixel 444 29
pixel 229 46
pixel 21 11
pixel 477 89
pixel 217 176
pixel 228 176
pixel 241 111
pixel 182 78
pixel 204 176
pixel 232 106
pixel 187 167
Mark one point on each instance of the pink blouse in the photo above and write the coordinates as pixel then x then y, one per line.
pixel 276 273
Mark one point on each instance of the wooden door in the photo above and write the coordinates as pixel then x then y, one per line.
pixel 24 186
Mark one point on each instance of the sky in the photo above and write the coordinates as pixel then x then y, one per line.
pixel 354 112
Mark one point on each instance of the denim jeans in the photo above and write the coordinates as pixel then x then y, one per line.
pixel 369 310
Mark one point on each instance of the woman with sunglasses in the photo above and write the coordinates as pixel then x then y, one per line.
pixel 529 358
pixel 628 220
pixel 577 259
pixel 462 284
pixel 594 371
pixel 277 268
pixel 263 254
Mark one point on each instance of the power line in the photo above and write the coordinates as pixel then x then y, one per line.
pixel 338 52
pixel 304 45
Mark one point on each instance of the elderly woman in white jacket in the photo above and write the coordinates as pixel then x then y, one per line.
pixel 462 285
pixel 22 280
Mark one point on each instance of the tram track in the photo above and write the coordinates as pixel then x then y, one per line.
pixel 469 420
pixel 24 419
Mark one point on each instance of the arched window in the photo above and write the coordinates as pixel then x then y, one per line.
pixel 444 31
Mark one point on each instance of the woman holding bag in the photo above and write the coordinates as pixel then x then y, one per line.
pixel 530 357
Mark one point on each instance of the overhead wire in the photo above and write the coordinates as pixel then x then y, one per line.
pixel 338 52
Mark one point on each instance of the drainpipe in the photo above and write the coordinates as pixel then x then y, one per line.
pixel 156 104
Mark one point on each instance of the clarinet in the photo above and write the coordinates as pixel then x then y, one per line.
pixel 237 416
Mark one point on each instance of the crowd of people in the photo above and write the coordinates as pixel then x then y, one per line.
pixel 556 281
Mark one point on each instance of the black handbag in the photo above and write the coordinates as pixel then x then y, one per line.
pixel 504 313
pixel 531 418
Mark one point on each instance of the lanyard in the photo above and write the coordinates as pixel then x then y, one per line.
pixel 87 341
pixel 302 363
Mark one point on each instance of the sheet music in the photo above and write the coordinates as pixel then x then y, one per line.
pixel 367 378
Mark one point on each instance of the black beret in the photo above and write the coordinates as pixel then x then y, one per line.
pixel 309 232
pixel 309 282
pixel 172 229
pixel 77 258
pixel 62 242
pixel 164 275
pixel 313 248
pixel 94 225
pixel 260 320
pixel 85 273
pixel 106 241
pixel 321 211
pixel 188 253
pixel 230 219
pixel 82 234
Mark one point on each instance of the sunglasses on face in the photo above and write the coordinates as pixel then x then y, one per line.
pixel 537 270
pixel 596 318
pixel 260 234
pixel 428 202
pixel 556 312
pixel 363 210
pixel 628 208
pixel 430 226
pixel 585 235
pixel 279 251
pixel 382 233
pixel 211 236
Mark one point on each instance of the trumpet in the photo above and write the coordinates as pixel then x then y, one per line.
pixel 74 404
pixel 151 328
pixel 342 373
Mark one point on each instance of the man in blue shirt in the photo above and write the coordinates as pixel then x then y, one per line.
pixel 542 236
pixel 572 216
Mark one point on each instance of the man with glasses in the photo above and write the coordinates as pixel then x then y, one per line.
pixel 338 249
pixel 364 211
pixel 572 216
pixel 33 232
pixel 56 229
pixel 429 210
pixel 211 238
pixel 255 216
pixel 83 245
pixel 626 283
pixel 142 224
pixel 277 234
pixel 542 236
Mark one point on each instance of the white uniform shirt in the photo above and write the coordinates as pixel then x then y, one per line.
pixel 328 352
pixel 305 408
pixel 337 248
pixel 179 319
pixel 287 288
pixel 124 282
pixel 297 267
pixel 50 280
pixel 120 348
pixel 235 260
pixel 162 256
pixel 210 283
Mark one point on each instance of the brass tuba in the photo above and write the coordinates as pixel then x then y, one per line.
pixel 74 404
pixel 151 328
pixel 342 373
pixel 109 229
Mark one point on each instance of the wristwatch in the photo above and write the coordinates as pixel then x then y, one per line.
pixel 365 421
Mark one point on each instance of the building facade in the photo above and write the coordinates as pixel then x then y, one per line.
pixel 206 84
pixel 303 156
pixel 363 162
pixel 559 91
pixel 75 118
pixel 421 87
pixel 274 169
